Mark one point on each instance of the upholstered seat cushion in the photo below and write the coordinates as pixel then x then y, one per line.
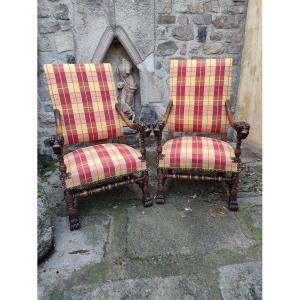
pixel 196 152
pixel 99 162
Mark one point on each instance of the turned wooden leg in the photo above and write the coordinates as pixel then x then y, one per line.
pixel 160 195
pixel 233 184
pixel 147 200
pixel 72 211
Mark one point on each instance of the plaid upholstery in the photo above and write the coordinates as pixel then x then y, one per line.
pixel 194 152
pixel 85 95
pixel 98 162
pixel 199 89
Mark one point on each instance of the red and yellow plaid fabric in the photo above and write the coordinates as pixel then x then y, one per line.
pixel 85 95
pixel 194 152
pixel 199 89
pixel 95 163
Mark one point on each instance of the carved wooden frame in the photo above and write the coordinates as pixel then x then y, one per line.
pixel 57 144
pixel 231 178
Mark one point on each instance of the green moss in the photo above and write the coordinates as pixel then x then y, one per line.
pixel 51 168
pixel 136 258
pixel 246 220
pixel 102 272
pixel 56 295
pixel 118 233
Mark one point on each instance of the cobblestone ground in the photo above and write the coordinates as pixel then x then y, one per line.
pixel 190 248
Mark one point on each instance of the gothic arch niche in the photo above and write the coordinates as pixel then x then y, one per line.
pixel 114 45
pixel 113 56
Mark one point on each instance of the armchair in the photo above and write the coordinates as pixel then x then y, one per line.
pixel 86 112
pixel 199 92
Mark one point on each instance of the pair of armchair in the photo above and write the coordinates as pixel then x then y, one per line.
pixel 86 112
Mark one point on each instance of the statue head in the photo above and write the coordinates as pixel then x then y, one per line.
pixel 124 68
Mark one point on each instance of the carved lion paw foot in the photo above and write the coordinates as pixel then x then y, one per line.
pixel 147 201
pixel 74 223
pixel 233 205
pixel 160 199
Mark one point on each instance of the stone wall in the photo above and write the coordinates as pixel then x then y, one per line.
pixel 151 32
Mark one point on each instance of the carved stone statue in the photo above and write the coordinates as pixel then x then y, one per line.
pixel 127 86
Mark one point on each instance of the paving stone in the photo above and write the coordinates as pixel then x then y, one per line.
pixel 173 287
pixel 89 241
pixel 183 228
pixel 241 281
pixel 254 200
pixel 256 216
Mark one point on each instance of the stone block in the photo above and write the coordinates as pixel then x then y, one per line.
pixel 198 19
pixel 202 33
pixel 182 49
pixel 184 227
pixel 64 42
pixel 167 48
pixel 195 49
pixel 48 26
pixel 246 278
pixel 233 37
pixel 183 20
pixel 188 6
pixel 216 48
pixel 170 287
pixel 207 19
pixel 226 21
pixel 234 49
pixel 45 42
pixel 183 33
pixel 74 250
pixel 65 25
pixel 237 10
pixel 212 6
pixel 164 6
pixel 43 12
pixel 216 36
pixel 61 12
pixel 166 19
pixel 45 231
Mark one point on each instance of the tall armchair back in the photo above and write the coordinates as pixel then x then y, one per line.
pixel 85 96
pixel 198 89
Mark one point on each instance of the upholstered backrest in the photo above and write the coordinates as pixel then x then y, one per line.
pixel 85 95
pixel 199 89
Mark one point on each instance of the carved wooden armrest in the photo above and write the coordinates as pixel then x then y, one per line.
pixel 143 130
pixel 242 129
pixel 162 122
pixel 130 124
pixel 57 143
pixel 158 128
